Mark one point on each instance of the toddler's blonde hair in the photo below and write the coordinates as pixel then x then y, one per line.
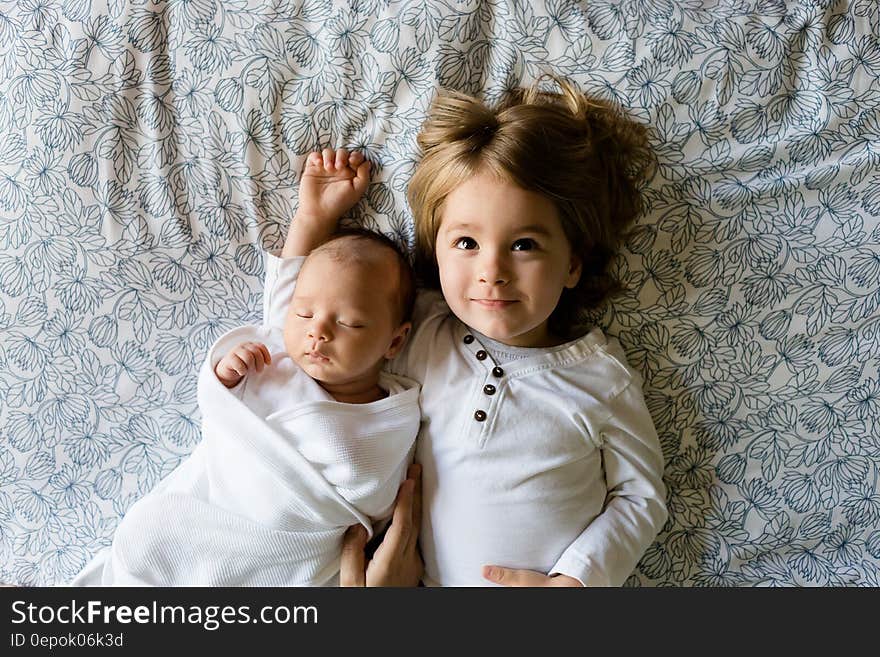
pixel 581 153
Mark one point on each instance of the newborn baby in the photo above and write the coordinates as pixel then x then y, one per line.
pixel 304 434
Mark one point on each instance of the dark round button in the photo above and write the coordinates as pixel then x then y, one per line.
pixel 480 416
pixel 497 371
pixel 468 339
pixel 489 389
pixel 481 355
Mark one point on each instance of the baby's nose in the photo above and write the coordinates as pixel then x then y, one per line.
pixel 319 330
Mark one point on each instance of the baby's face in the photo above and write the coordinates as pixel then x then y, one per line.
pixel 341 323
pixel 504 260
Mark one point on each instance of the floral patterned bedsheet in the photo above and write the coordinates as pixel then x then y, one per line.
pixel 150 150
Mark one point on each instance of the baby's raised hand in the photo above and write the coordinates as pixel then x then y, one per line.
pixel 243 358
pixel 331 183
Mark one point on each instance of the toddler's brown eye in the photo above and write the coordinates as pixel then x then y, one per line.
pixel 524 245
pixel 465 243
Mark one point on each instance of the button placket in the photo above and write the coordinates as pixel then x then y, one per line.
pixel 481 413
pixel 489 390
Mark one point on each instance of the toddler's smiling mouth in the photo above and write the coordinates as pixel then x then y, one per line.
pixel 495 303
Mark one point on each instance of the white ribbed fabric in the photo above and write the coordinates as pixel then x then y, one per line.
pixel 504 353
pixel 265 500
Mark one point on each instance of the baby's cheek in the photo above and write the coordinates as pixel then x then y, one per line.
pixel 291 338
pixel 368 344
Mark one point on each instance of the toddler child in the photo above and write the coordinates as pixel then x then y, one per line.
pixel 540 462
pixel 304 433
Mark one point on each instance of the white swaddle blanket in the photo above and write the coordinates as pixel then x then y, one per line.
pixel 265 501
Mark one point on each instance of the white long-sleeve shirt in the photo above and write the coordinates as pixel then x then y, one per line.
pixel 548 463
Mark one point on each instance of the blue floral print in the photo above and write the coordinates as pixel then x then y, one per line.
pixel 150 151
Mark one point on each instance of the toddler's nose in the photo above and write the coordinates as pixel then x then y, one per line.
pixel 493 271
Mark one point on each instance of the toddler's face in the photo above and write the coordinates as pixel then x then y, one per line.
pixel 341 323
pixel 504 260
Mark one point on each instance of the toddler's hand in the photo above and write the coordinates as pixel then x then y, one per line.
pixel 513 577
pixel 331 183
pixel 243 358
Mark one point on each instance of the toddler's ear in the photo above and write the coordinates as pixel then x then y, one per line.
pixel 574 272
pixel 399 339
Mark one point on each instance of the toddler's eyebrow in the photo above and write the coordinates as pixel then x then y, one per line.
pixel 536 229
pixel 459 226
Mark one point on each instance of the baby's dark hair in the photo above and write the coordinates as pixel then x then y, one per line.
pixel 339 248
pixel 580 152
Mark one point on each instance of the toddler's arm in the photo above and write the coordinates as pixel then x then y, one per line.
pixel 331 183
pixel 245 357
pixel 608 550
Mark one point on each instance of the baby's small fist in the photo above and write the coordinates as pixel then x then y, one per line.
pixel 245 357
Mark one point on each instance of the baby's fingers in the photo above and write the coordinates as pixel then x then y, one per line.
pixel 258 356
pixel 329 156
pixel 261 355
pixel 341 158
pixel 314 160
pixel 249 356
pixel 232 363
pixel 246 358
pixel 362 177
